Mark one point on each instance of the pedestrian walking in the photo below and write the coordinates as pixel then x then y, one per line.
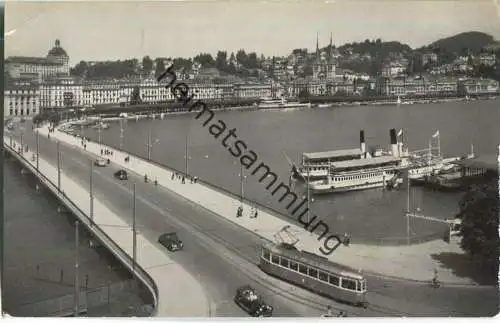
pixel 183 179
pixel 173 176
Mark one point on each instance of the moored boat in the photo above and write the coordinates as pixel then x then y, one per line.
pixel 361 174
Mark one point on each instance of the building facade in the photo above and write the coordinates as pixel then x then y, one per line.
pixel 55 63
pixel 21 98
pixel 61 92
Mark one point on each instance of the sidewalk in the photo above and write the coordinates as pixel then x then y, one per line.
pixel 179 294
pixel 413 262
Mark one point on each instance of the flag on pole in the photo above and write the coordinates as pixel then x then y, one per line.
pixel 436 134
pixel 400 132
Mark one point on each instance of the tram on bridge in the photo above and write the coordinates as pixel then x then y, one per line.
pixel 313 272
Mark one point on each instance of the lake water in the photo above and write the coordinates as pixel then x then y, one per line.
pixel 371 216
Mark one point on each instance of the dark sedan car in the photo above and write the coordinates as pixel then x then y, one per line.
pixel 171 241
pixel 121 174
pixel 248 299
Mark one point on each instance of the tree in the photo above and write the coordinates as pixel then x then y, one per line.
pixel 479 228
pixel 241 57
pixel 252 61
pixel 205 59
pixel 160 67
pixel 221 61
pixel 80 69
pixel 147 65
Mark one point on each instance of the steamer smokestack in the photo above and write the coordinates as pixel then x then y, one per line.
pixel 394 142
pixel 362 143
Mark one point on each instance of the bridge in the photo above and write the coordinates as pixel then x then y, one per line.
pixel 99 202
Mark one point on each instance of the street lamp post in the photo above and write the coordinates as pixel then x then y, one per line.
pixel 308 196
pixel 58 167
pixel 186 153
pixel 408 210
pixel 242 178
pixel 149 144
pixel 121 135
pixel 134 233
pixel 37 149
pixel 91 194
pixel 77 265
pixel 22 145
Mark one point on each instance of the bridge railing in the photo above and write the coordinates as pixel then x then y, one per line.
pixel 102 236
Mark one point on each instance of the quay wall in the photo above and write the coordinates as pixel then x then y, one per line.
pixel 94 230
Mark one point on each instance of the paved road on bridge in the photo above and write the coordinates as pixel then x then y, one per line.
pixel 224 256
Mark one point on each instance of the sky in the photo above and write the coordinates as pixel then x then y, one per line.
pixel 96 31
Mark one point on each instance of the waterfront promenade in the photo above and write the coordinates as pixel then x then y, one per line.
pixel 179 294
pixel 414 262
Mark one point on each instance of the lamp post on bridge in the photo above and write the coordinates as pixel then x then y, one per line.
pixel 22 144
pixel 134 232
pixel 91 194
pixel 77 265
pixel 37 149
pixel 58 167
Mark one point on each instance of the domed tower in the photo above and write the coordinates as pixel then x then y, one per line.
pixel 58 54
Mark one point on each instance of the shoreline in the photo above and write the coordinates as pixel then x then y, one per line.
pixel 149 113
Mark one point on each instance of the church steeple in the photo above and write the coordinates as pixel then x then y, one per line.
pixel 330 53
pixel 317 45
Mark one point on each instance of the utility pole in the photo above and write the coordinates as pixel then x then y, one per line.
pixel 308 195
pixel 22 145
pixel 149 143
pixel 91 193
pixel 408 209
pixel 37 149
pixel 134 233
pixel 77 279
pixel 241 184
pixel 121 135
pixel 58 167
pixel 186 153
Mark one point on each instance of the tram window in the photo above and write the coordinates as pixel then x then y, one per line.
pixel 266 254
pixel 323 276
pixel 348 284
pixel 303 269
pixel 284 262
pixel 334 280
pixel 275 259
pixel 313 273
pixel 294 266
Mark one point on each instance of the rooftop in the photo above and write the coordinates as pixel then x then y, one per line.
pixel 31 60
pixel 332 153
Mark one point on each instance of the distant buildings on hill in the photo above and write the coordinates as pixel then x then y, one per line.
pixel 36 83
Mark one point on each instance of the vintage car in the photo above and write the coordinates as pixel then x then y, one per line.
pixel 248 299
pixel 121 174
pixel 171 241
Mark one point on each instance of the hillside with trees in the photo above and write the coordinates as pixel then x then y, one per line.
pixel 367 57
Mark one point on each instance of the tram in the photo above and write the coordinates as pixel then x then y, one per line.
pixel 314 272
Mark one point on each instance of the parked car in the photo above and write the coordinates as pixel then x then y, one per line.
pixel 171 241
pixel 121 174
pixel 100 162
pixel 248 299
